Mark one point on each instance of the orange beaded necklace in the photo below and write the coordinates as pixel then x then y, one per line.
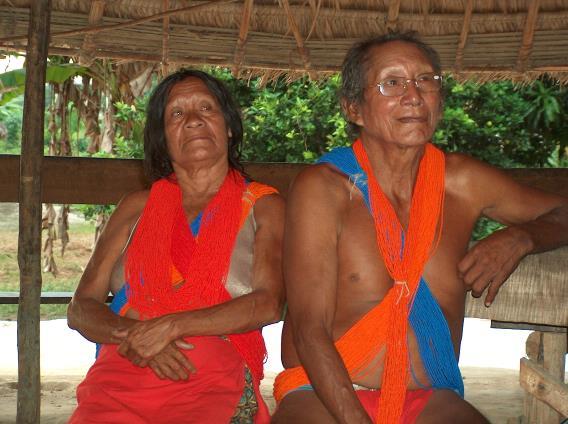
pixel 404 255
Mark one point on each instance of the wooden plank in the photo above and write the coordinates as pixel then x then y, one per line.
pixel 29 240
pixel 544 386
pixel 47 298
pixel 536 293
pixel 527 326
pixel 106 181
pixel 77 180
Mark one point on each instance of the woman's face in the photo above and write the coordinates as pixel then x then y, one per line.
pixel 194 125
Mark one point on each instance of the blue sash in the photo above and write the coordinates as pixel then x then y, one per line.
pixel 426 317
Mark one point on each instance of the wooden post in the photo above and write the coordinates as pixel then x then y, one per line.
pixel 547 350
pixel 544 386
pixel 29 241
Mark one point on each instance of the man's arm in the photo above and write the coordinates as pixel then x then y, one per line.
pixel 245 313
pixel 310 271
pixel 536 221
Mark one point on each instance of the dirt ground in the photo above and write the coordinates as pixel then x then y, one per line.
pixel 494 391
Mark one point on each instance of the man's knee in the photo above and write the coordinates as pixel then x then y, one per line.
pixel 446 406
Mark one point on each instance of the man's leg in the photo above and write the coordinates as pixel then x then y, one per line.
pixel 301 406
pixel 445 406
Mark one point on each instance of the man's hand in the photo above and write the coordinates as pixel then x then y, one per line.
pixel 489 263
pixel 145 339
pixel 172 364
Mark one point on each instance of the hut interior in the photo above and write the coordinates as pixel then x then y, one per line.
pixel 484 40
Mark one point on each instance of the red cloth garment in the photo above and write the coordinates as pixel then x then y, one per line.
pixel 116 391
pixel 414 403
pixel 163 240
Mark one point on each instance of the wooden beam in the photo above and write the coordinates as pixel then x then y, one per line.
pixel 165 39
pixel 133 22
pixel 95 18
pixel 525 326
pixel 29 239
pixel 463 35
pixel 544 386
pixel 528 35
pixel 47 298
pixel 243 33
pixel 304 53
pixel 268 66
pixel 105 181
pixel 392 17
pixel 80 180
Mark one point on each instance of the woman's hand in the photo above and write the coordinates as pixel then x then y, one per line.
pixel 171 363
pixel 145 339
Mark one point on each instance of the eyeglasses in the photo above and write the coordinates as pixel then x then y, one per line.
pixel 397 86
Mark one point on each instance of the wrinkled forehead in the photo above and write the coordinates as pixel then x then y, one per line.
pixel 189 87
pixel 396 58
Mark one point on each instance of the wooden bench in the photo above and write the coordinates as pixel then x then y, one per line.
pixel 47 298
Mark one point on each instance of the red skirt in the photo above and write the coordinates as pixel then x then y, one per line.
pixel 116 391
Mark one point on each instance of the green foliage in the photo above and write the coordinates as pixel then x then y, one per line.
pixel 489 121
pixel 12 82
pixel 11 117
pixel 90 212
pixel 294 122
pixel 132 145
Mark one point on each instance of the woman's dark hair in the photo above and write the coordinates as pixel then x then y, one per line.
pixel 157 163
pixel 355 64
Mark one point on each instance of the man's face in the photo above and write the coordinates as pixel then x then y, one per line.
pixel 194 124
pixel 406 120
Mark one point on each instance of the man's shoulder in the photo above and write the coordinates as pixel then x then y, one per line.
pixel 321 181
pixel 321 175
pixel 464 169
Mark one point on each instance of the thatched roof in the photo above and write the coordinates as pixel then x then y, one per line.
pixel 490 39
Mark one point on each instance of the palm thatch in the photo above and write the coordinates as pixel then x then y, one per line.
pixel 483 39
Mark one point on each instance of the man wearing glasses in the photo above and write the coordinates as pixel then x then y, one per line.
pixel 376 255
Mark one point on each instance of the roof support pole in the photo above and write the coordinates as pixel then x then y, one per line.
pixel 243 33
pixel 87 55
pixel 392 16
pixel 29 241
pixel 528 35
pixel 302 50
pixel 463 36
pixel 165 40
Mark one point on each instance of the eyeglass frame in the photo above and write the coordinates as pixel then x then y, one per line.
pixel 380 85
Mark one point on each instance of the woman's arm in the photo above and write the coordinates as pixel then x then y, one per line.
pixel 87 311
pixel 245 313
